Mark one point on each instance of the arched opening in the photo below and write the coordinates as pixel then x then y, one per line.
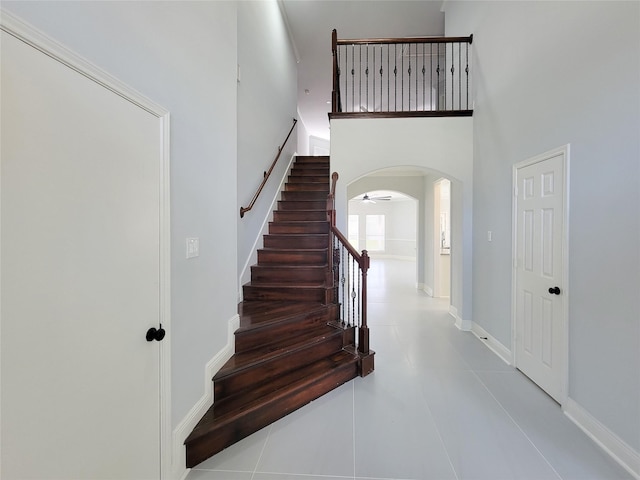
pixel 404 206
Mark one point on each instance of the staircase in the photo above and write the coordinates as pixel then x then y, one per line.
pixel 290 348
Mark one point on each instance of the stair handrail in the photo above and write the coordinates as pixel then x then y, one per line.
pixel 337 243
pixel 266 174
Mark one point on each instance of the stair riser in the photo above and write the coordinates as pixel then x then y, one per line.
pixel 312 159
pixel 295 241
pixel 227 434
pixel 302 205
pixel 297 196
pixel 294 276
pixel 257 337
pixel 302 294
pixel 300 216
pixel 311 172
pixel 279 365
pixel 308 179
pixel 298 227
pixel 292 257
pixel 307 187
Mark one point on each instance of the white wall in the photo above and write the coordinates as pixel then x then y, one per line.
pixel 444 145
pixel 267 95
pixel 548 74
pixel 181 55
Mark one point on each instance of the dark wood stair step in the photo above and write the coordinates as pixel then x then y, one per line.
pixel 293 274
pixel 287 205
pixel 220 428
pixel 311 172
pixel 307 187
pixel 292 256
pixel 275 291
pixel 265 322
pixel 296 240
pixel 247 369
pixel 307 159
pixel 298 227
pixel 294 178
pixel 299 215
pixel 295 196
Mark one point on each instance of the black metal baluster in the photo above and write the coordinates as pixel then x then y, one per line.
pixel 360 79
pixel 417 89
pixel 359 299
pixel 388 80
pixel 431 75
pixel 452 75
pixel 346 78
pixel 409 72
pixel 467 72
pixel 424 84
pixel 353 291
pixel 459 76
pixel 395 77
pixel 342 283
pixel 438 80
pixel 381 73
pixel 402 79
pixel 353 79
pixel 374 77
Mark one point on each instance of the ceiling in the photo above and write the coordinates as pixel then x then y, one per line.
pixel 311 22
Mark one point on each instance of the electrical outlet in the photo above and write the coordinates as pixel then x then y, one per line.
pixel 193 247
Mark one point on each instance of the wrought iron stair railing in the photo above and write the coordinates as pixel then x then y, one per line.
pixel 347 274
pixel 401 77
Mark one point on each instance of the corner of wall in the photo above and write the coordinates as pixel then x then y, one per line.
pixel 188 423
pixel 620 451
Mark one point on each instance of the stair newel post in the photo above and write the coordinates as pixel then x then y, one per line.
pixel 336 87
pixel 366 355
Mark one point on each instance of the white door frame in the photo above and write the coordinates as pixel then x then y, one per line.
pixel 564 151
pixel 31 36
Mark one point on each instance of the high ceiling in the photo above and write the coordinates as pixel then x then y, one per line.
pixel 311 23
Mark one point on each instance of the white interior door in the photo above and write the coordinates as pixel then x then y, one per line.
pixel 540 331
pixel 80 246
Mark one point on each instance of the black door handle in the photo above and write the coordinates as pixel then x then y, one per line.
pixel 554 291
pixel 156 334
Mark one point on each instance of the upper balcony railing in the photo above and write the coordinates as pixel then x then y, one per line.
pixel 401 77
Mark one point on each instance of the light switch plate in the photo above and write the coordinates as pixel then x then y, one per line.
pixel 193 247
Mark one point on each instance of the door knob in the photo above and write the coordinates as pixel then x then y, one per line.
pixel 156 334
pixel 554 290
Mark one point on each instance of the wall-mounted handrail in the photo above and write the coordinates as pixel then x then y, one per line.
pixel 244 210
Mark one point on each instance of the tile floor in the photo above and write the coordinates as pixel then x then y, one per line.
pixel 440 405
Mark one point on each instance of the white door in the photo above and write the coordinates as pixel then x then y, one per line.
pixel 80 246
pixel 540 323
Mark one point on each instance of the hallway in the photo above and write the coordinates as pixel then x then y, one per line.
pixel 440 405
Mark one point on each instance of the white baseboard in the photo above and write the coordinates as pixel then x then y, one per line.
pixel 464 325
pixel 425 288
pixel 622 453
pixel 494 345
pixel 179 470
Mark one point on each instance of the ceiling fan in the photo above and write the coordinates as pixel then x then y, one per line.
pixel 367 199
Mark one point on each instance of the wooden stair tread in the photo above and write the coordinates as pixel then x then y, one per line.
pixel 244 360
pixel 297 380
pixel 273 311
